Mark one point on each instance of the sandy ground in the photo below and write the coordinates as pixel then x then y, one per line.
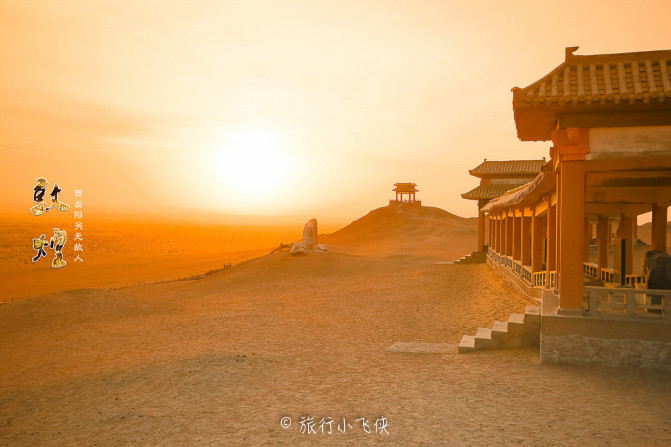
pixel 118 254
pixel 223 359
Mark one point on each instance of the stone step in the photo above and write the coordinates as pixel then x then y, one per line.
pixel 499 328
pixel 532 310
pixel 483 338
pixel 467 344
pixel 520 330
pixel 516 318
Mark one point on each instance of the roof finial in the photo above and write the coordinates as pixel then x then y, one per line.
pixel 570 51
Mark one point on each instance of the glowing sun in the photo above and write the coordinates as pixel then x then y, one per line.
pixel 253 162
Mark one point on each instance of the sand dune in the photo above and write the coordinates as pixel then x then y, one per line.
pixel 410 230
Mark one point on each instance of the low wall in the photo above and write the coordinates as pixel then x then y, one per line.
pixel 533 294
pixel 576 339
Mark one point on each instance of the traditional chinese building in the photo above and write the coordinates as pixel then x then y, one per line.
pixel 497 178
pixel 407 189
pixel 608 117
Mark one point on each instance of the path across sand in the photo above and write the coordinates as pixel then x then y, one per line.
pixel 222 360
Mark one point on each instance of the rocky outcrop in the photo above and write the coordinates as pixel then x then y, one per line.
pixel 310 234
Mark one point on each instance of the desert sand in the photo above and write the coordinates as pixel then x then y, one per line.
pixel 223 359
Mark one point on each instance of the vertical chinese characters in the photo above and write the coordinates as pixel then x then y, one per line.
pixel 79 224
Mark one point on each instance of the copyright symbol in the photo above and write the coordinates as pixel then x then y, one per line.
pixel 285 422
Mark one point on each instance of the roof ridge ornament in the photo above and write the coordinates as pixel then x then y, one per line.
pixel 570 51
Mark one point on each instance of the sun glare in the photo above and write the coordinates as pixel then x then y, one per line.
pixel 253 162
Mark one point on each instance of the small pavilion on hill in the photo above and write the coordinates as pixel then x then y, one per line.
pixel 407 189
pixel 608 118
pixel 497 178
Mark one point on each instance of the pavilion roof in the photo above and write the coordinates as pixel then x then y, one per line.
pixel 613 82
pixel 508 168
pixel 526 194
pixel 405 187
pixel 488 191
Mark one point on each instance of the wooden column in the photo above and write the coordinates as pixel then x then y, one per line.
pixel 627 232
pixel 526 240
pixel 586 239
pixel 551 264
pixel 572 234
pixel 517 240
pixel 572 145
pixel 602 241
pixel 658 227
pixel 537 240
pixel 481 230
pixel 509 235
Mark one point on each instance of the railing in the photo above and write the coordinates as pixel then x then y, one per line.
pixel 508 262
pixel 629 302
pixel 607 275
pixel 553 280
pixel 632 280
pixel 494 255
pixel 526 274
pixel 590 269
pixel 517 267
pixel 538 279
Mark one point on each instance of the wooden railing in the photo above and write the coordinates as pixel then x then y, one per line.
pixel 590 269
pixel 607 275
pixel 531 278
pixel 553 280
pixel 509 262
pixel 632 280
pixel 538 279
pixel 629 302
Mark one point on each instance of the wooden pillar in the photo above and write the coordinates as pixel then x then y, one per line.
pixel 481 230
pixel 509 235
pixel 627 232
pixel 558 229
pixel 586 239
pixel 551 263
pixel 517 238
pixel 572 234
pixel 658 227
pixel 526 240
pixel 602 241
pixel 502 230
pixel 537 240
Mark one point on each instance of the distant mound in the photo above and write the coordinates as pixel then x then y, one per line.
pixel 407 229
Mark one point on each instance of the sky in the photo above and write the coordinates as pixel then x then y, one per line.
pixel 281 107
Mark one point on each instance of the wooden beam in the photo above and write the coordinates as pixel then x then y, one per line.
pixel 628 178
pixel 628 164
pixel 540 208
pixel 615 209
pixel 644 194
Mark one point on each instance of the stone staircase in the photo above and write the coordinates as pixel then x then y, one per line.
pixel 519 331
pixel 477 257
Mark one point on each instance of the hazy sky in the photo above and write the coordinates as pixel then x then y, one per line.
pixel 281 107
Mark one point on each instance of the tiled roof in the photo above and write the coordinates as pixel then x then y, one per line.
pixel 603 78
pixel 487 191
pixel 405 187
pixel 508 168
pixel 526 194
